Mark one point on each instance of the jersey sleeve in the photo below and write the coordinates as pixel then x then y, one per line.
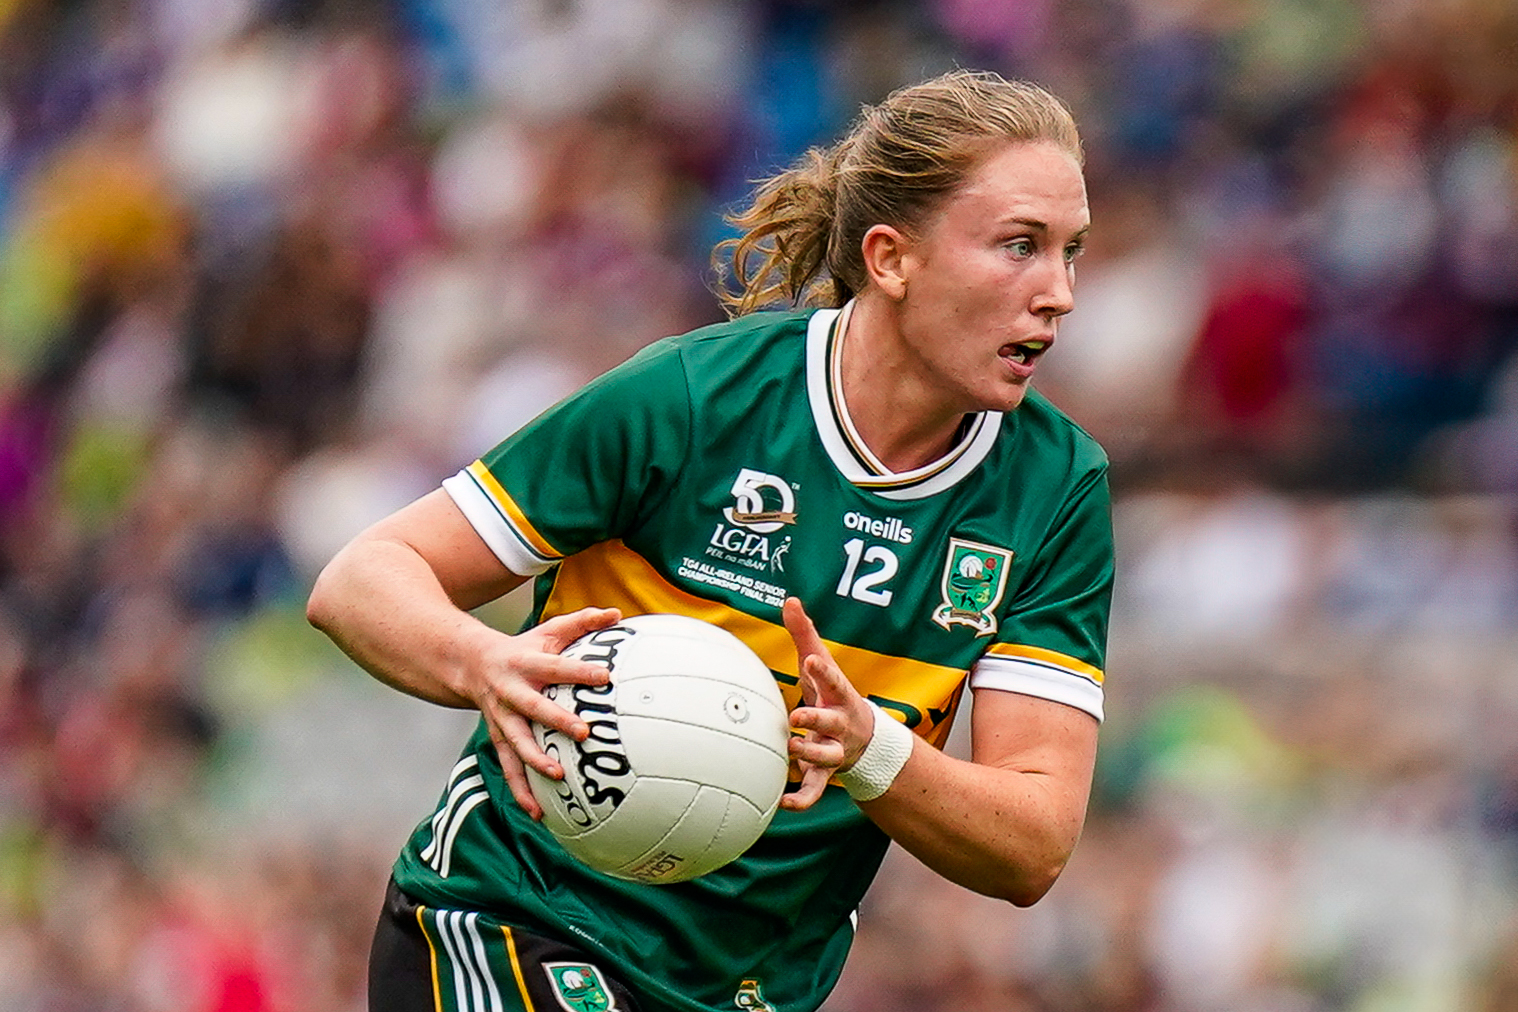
pixel 1052 641
pixel 587 470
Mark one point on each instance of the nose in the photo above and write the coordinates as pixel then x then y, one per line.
pixel 1056 296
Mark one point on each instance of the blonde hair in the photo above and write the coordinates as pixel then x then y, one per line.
pixel 801 236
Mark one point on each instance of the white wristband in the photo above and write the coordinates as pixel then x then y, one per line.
pixel 888 751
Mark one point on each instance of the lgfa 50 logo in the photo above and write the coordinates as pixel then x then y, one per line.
pixel 763 502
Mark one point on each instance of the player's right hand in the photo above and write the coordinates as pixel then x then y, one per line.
pixel 507 687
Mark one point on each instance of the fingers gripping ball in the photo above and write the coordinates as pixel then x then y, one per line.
pixel 686 758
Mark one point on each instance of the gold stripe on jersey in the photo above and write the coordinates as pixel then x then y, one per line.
pixel 437 990
pixel 611 575
pixel 1051 658
pixel 512 512
pixel 516 968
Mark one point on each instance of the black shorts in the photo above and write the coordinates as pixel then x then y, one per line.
pixel 427 959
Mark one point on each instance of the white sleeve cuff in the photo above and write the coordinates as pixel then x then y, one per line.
pixel 1033 679
pixel 492 526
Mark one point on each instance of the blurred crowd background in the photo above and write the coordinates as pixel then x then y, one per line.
pixel 272 268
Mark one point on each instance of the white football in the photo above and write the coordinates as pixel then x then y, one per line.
pixel 686 758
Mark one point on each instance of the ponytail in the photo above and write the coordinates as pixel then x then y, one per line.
pixel 786 233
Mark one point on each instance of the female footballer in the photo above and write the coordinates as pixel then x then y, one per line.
pixel 931 524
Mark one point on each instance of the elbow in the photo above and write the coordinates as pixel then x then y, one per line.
pixel 321 605
pixel 1032 885
pixel 1028 876
pixel 1021 884
pixel 1044 859
pixel 1027 893
pixel 316 609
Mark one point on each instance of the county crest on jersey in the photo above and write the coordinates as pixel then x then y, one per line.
pixel 713 475
pixel 974 577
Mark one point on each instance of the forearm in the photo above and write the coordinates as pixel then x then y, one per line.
pixel 1002 832
pixel 383 605
pixel 397 601
pixel 1003 824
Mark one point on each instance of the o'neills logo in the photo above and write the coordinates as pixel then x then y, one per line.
pixel 764 503
pixel 892 529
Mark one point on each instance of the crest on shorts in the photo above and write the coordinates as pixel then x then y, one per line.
pixel 974 579
pixel 579 987
pixel 750 997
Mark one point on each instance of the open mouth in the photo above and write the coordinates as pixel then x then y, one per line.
pixel 1025 352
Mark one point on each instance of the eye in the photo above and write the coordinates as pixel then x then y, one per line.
pixel 1020 247
pixel 1074 251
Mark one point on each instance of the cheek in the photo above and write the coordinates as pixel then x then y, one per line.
pixel 974 284
pixel 990 295
pixel 974 289
pixel 993 278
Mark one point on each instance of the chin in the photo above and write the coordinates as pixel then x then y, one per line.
pixel 1007 398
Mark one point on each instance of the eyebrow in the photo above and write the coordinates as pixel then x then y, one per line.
pixel 1041 226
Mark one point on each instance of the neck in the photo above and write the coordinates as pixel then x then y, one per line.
pixel 903 422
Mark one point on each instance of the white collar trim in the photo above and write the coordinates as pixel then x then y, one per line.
pixel 851 455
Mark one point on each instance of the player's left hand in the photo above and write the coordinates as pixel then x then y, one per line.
pixel 835 719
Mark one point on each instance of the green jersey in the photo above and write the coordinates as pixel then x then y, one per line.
pixel 713 475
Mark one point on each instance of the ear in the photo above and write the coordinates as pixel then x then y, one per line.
pixel 885 252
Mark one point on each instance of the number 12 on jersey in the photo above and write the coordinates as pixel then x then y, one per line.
pixel 864 570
